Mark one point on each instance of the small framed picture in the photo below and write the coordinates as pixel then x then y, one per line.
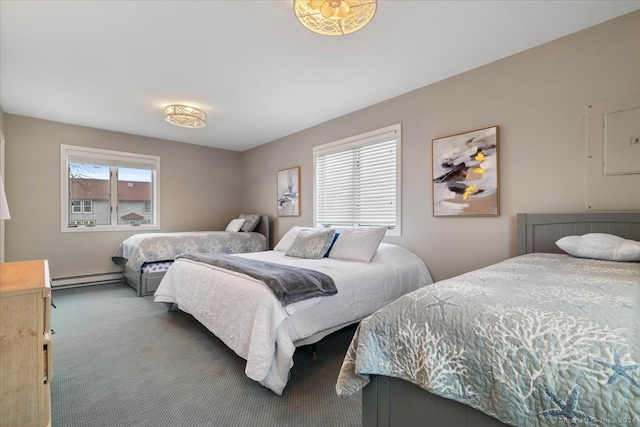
pixel 289 192
pixel 465 174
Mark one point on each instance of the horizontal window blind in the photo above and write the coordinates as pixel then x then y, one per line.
pixel 356 182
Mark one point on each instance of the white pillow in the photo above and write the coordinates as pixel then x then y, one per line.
pixel 235 225
pixel 601 246
pixel 357 243
pixel 287 240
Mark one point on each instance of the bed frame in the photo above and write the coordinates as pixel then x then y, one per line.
pixel 149 282
pixel 392 402
pixel 539 232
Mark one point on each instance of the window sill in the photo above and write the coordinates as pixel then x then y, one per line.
pixel 100 228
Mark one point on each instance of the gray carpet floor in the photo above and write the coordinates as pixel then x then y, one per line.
pixel 121 360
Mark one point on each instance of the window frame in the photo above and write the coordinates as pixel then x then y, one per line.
pixel 364 139
pixel 66 201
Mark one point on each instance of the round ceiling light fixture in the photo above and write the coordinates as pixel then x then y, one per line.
pixel 334 17
pixel 185 116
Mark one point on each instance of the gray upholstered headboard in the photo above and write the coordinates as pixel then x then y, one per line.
pixel 263 228
pixel 539 232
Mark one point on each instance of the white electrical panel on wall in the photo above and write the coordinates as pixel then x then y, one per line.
pixel 621 140
pixel 613 155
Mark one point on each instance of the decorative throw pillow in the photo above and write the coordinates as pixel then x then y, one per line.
pixel 311 244
pixel 287 240
pixel 235 225
pixel 335 237
pixel 601 246
pixel 357 243
pixel 250 222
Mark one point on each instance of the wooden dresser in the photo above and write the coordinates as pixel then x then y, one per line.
pixel 26 358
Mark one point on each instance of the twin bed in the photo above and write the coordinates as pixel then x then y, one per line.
pixel 541 339
pixel 146 257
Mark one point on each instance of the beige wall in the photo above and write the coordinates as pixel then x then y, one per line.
pixel 538 99
pixel 200 190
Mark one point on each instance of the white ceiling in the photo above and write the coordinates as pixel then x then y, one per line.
pixel 257 72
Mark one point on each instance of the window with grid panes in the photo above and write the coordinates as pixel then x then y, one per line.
pixel 108 190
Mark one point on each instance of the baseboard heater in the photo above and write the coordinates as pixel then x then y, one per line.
pixel 86 280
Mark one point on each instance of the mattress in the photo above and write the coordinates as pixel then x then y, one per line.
pixel 155 267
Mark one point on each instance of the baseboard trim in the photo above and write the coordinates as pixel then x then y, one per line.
pixel 86 280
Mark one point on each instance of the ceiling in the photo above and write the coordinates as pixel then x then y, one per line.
pixel 257 72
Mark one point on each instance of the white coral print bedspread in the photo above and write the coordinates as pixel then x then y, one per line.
pixel 537 340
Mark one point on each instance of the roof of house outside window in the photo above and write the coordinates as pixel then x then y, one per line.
pixel 132 216
pixel 98 189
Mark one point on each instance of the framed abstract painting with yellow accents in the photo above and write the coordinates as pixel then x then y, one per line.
pixel 465 174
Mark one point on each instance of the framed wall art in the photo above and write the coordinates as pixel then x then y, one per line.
pixel 465 174
pixel 289 192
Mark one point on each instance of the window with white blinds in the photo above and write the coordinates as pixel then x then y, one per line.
pixel 357 181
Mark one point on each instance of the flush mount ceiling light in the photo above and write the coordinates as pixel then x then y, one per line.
pixel 185 116
pixel 334 17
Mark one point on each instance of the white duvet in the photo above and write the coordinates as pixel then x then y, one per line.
pixel 244 313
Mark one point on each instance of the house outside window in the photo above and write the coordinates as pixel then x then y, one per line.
pixel 108 190
pixel 357 181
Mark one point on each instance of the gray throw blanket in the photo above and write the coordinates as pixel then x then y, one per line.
pixel 289 284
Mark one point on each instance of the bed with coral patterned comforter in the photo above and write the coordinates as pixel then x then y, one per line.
pixel 537 340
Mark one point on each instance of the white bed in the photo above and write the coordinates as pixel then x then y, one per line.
pixel 245 314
